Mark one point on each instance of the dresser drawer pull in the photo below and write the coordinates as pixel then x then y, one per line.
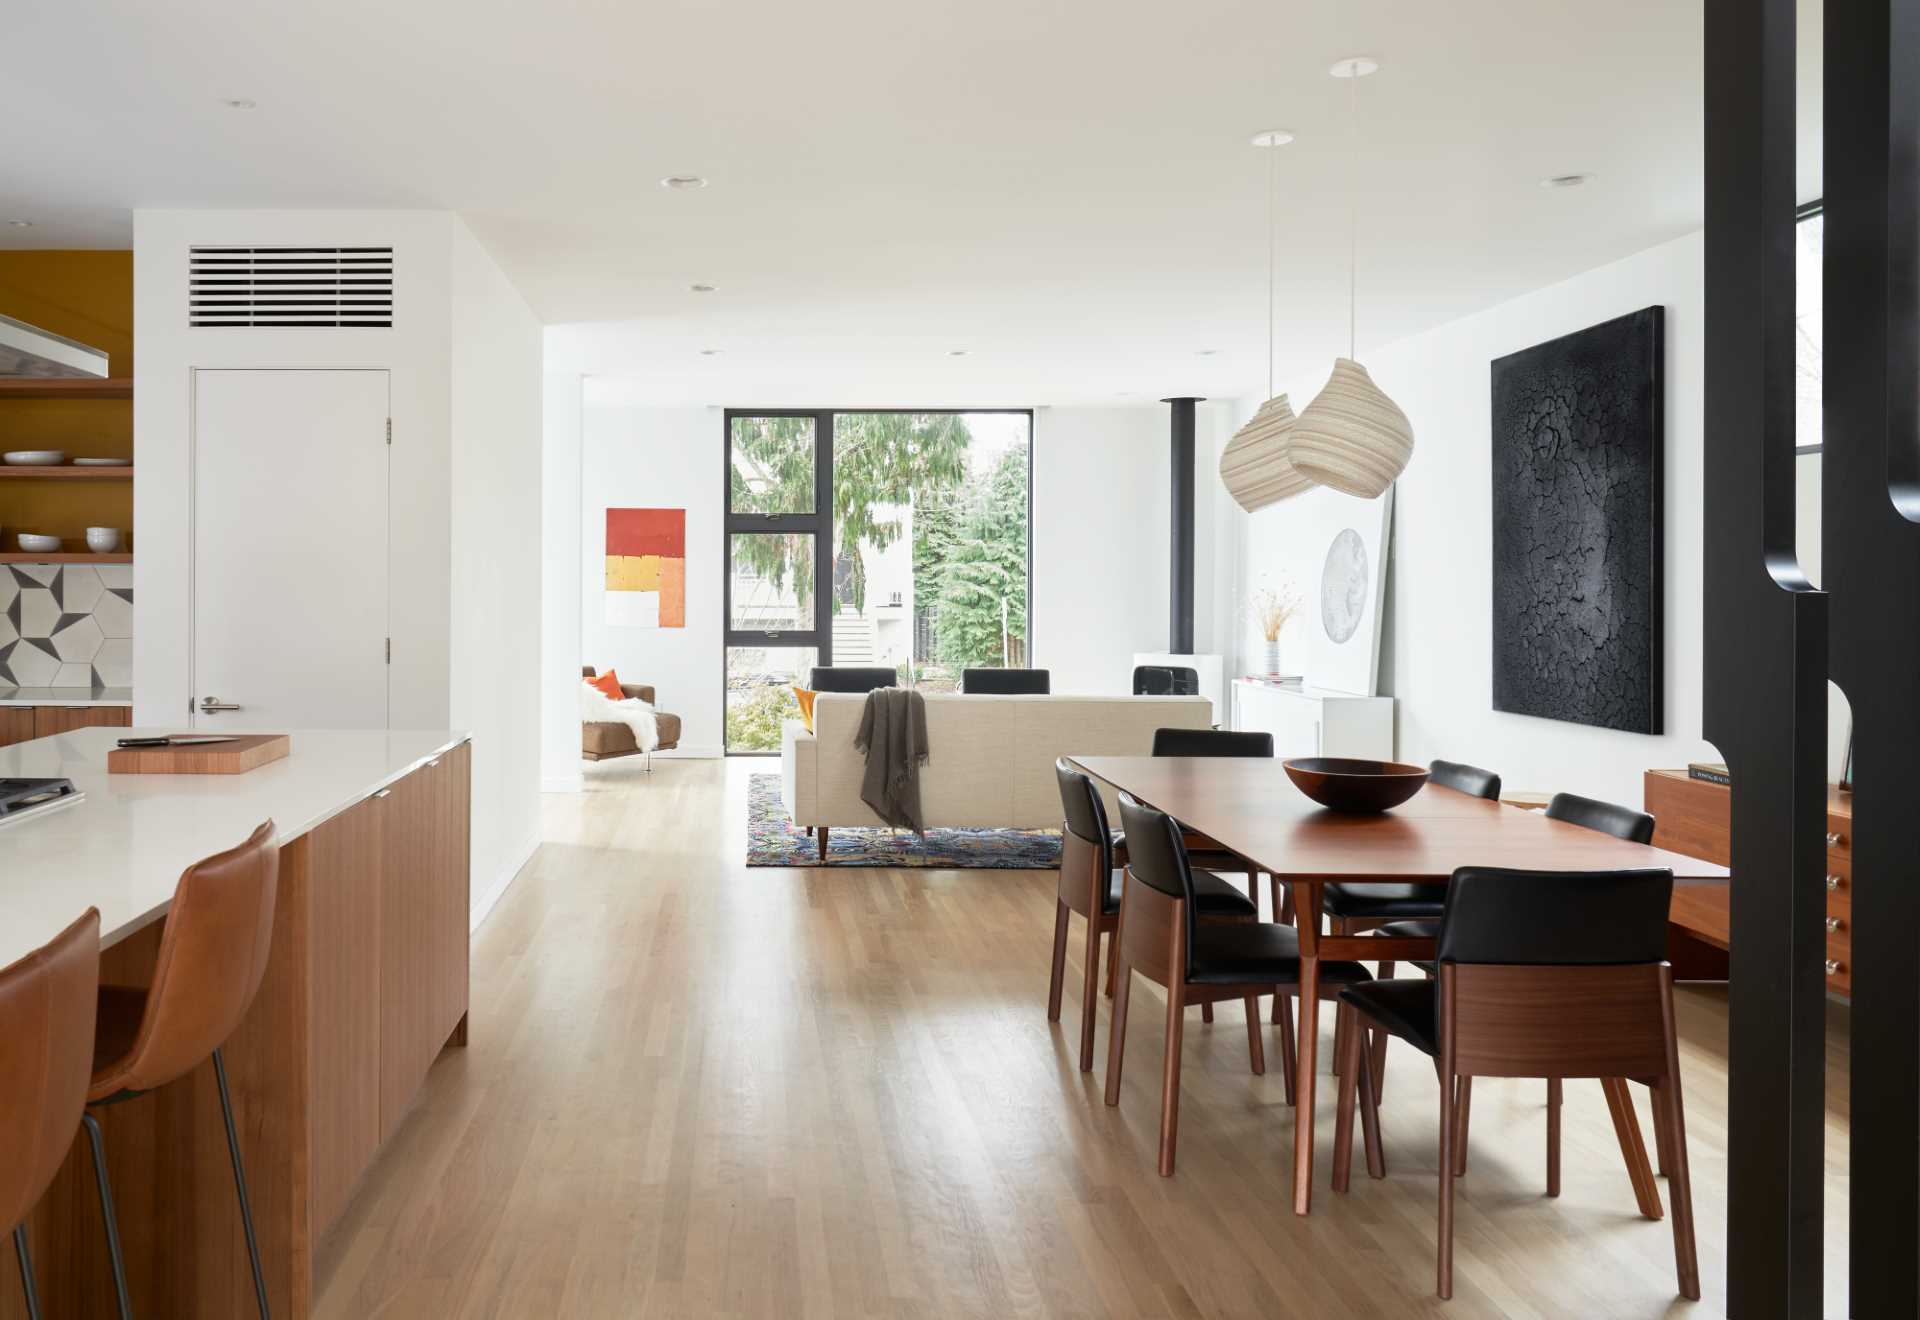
pixel 431 764
pixel 1834 924
pixel 1833 840
pixel 1833 883
pixel 383 792
pixel 1833 967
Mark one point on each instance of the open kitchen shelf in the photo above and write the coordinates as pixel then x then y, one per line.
pixel 107 387
pixel 65 472
pixel 65 557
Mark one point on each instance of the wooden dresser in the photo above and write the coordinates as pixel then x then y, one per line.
pixel 1693 818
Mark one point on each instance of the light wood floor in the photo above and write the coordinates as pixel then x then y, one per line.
pixel 697 1089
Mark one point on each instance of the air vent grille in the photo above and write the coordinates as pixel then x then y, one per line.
pixel 290 286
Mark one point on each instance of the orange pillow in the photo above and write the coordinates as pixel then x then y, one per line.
pixel 805 697
pixel 609 685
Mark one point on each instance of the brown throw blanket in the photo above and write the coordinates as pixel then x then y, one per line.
pixel 893 734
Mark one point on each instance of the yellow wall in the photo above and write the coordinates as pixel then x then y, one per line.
pixel 86 296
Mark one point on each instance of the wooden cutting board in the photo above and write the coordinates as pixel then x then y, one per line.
pixel 247 752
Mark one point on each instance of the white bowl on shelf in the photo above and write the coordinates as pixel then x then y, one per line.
pixel 103 462
pixel 35 457
pixel 103 540
pixel 35 544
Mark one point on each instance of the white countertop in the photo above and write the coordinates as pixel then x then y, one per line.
pixel 123 846
pixel 66 696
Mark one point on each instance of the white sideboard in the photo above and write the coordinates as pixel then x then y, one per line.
pixel 1314 722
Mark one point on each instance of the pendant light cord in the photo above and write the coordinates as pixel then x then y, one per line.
pixel 1273 152
pixel 1353 205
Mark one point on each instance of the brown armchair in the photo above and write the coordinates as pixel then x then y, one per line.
pixel 604 740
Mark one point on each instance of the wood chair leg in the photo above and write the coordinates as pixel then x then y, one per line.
pixel 1626 1126
pixel 1090 992
pixel 1370 1119
pixel 1380 1039
pixel 1170 1076
pixel 822 837
pixel 1338 926
pixel 1054 985
pixel 1463 1109
pixel 1661 1155
pixel 1113 963
pixel 1117 1030
pixel 1206 1011
pixel 1343 1109
pixel 1554 1090
pixel 1256 1048
pixel 1283 1015
pixel 1686 1257
pixel 1282 902
pixel 1444 1282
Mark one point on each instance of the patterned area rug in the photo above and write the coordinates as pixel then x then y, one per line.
pixel 774 840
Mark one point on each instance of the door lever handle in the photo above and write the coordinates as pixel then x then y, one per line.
pixel 211 704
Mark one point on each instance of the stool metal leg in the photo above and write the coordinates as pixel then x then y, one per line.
pixel 26 1271
pixel 99 1146
pixel 240 1183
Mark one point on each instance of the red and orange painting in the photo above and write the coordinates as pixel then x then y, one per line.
pixel 647 568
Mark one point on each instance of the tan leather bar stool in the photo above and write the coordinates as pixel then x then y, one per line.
pixel 46 1023
pixel 213 952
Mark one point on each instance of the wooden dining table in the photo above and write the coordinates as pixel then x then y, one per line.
pixel 1250 807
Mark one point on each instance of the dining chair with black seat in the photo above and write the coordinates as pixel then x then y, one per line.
pixel 1092 856
pixel 213 954
pixel 1006 682
pixel 47 1005
pixel 1540 974
pixel 851 678
pixel 1162 938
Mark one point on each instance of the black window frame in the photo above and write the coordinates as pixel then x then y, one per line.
pixel 819 524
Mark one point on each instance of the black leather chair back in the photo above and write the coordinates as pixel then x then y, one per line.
pixel 1620 822
pixel 1006 682
pixel 1086 814
pixel 850 678
pixel 1211 742
pixel 1155 852
pixel 1165 681
pixel 1554 918
pixel 1469 779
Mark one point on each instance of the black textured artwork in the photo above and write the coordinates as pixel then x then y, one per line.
pixel 1576 526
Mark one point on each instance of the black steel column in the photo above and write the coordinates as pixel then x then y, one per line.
pixel 1871 562
pixel 1765 670
pixel 1180 562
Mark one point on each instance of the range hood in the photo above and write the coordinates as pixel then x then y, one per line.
pixel 28 351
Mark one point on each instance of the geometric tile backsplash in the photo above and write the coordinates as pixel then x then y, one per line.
pixel 66 625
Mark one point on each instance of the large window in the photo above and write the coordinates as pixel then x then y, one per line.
pixel 893 538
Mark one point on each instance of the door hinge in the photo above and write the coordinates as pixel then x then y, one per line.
pixel 389 430
pixel 389 650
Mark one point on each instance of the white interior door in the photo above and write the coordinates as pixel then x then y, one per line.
pixel 290 563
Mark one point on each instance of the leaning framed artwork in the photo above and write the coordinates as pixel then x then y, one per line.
pixel 647 568
pixel 1577 560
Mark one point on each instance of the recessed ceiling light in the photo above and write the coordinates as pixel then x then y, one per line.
pixel 1206 352
pixel 1566 180
pixel 957 352
pixel 700 288
pixel 1273 137
pixel 709 352
pixel 239 103
pixel 20 224
pixel 1355 66
pixel 683 182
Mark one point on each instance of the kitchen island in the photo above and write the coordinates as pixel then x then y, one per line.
pixel 365 984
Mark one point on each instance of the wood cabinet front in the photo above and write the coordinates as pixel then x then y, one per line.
pixel 49 720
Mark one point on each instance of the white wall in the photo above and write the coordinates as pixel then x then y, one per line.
pixel 493 681
pixel 560 577
pixel 639 457
pixel 1440 596
pixel 464 359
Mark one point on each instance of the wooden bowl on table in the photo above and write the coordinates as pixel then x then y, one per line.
pixel 1364 787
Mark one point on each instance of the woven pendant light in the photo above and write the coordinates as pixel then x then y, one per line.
pixel 1352 437
pixel 1254 466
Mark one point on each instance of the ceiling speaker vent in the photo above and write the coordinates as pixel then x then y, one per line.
pixel 290 286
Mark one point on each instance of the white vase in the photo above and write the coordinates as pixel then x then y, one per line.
pixel 1273 657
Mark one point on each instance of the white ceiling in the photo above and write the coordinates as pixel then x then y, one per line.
pixel 1064 189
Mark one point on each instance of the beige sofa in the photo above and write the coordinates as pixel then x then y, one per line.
pixel 990 762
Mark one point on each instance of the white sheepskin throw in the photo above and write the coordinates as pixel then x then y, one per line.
pixel 596 708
